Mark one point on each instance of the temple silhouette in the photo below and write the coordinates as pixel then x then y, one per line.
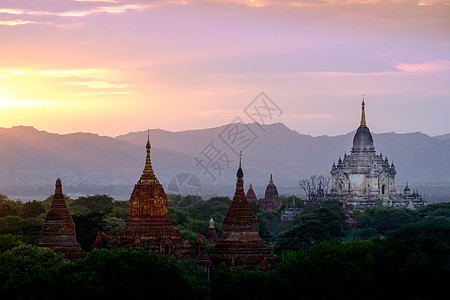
pixel 148 226
pixel 58 230
pixel 364 177
pixel 240 244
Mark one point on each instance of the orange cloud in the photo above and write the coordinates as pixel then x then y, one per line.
pixel 97 84
pixel 434 66
pixel 114 9
pixel 16 22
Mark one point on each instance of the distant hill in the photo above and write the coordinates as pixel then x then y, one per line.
pixel 31 160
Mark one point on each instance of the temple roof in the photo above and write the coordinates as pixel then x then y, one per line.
pixel 363 138
pixel 148 175
pixel 240 216
pixel 271 190
pixel 251 196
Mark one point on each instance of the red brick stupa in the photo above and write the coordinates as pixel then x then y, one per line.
pixel 251 196
pixel 240 244
pixel 271 199
pixel 211 234
pixel 58 230
pixel 148 226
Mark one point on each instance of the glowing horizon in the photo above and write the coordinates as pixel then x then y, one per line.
pixel 115 66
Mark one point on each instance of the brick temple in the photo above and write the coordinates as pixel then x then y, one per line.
pixel 58 230
pixel 271 199
pixel 240 244
pixel 251 196
pixel 211 235
pixel 148 226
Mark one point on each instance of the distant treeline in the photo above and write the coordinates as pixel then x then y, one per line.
pixel 396 253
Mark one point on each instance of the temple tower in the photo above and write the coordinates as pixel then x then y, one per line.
pixel 58 230
pixel 364 177
pixel 240 244
pixel 271 199
pixel 251 196
pixel 148 226
pixel 211 234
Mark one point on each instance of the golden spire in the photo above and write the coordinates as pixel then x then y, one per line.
pixel 148 175
pixel 363 115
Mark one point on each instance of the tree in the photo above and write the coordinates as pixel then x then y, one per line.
pixel 386 218
pixel 87 226
pixel 332 270
pixel 9 241
pixel 8 208
pixel 112 225
pixel 28 272
pixel 131 274
pixel 99 203
pixel 321 225
pixel 3 197
pixel 228 283
pixel 32 209
pixel 420 264
pixel 316 190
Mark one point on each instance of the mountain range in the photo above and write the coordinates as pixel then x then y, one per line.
pixel 204 161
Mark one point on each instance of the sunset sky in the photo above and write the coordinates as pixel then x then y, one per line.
pixel 113 66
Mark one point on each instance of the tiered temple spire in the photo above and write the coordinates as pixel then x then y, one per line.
pixel 363 115
pixel 58 230
pixel 240 244
pixel 148 222
pixel 148 175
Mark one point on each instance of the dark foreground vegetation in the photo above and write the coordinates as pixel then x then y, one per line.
pixel 395 254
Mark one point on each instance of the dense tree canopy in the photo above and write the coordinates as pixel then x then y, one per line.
pixel 398 252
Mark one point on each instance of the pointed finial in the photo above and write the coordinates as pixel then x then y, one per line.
pixel 271 178
pixel 240 158
pixel 148 175
pixel 148 146
pixel 58 187
pixel 240 173
pixel 363 115
pixel 211 223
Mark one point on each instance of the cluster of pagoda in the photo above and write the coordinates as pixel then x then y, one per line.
pixel 361 179
pixel 271 200
pixel 148 226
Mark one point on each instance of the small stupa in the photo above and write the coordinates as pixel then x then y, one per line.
pixel 240 244
pixel 58 230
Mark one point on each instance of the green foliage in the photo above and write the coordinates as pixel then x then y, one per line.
pixel 227 283
pixel 386 218
pixel 29 229
pixel 118 211
pixel 8 208
pixel 193 219
pixel 435 210
pixel 179 201
pixel 98 203
pixel 422 258
pixel 32 209
pixel 9 241
pixel 132 274
pixel 332 270
pixel 87 227
pixel 321 225
pixel 364 234
pixel 111 225
pixel 28 272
